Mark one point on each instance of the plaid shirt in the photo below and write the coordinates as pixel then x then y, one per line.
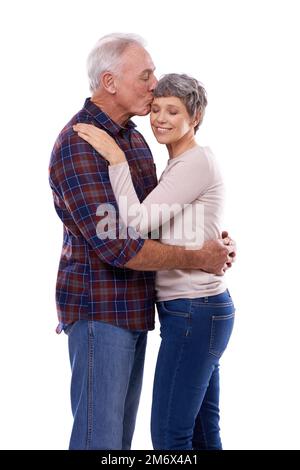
pixel 92 283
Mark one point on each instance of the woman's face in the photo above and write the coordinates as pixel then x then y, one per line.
pixel 170 120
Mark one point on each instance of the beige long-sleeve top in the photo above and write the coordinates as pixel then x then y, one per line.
pixel 186 208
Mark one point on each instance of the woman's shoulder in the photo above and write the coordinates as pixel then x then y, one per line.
pixel 196 151
pixel 203 160
pixel 208 156
pixel 199 157
pixel 206 151
pixel 192 160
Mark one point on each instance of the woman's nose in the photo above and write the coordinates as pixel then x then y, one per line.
pixel 161 118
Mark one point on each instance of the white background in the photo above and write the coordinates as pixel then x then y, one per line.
pixel 247 55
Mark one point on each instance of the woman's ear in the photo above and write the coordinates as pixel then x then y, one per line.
pixel 108 82
pixel 197 119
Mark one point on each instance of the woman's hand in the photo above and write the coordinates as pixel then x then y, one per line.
pixel 101 141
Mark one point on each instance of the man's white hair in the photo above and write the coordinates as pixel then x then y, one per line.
pixel 106 55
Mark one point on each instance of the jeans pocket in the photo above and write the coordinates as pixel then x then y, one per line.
pixel 69 328
pixel 221 329
pixel 177 308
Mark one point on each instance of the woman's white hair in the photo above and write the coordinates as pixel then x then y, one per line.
pixel 106 55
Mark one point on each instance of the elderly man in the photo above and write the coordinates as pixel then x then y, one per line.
pixel 105 286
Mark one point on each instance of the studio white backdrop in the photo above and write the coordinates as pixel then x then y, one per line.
pixel 246 54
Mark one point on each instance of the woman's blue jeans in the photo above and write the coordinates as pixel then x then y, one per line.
pixel 185 408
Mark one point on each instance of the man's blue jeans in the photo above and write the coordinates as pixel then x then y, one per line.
pixel 107 369
pixel 185 408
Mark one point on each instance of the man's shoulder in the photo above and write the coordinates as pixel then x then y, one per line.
pixel 68 136
pixel 67 131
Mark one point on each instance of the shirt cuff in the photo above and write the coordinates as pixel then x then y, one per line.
pixel 118 166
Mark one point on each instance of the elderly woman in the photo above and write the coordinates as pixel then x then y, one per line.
pixel 195 309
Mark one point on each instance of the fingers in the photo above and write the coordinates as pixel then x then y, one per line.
pixel 85 137
pixel 90 130
pixel 226 266
pixel 230 246
pixel 82 127
pixel 228 241
pixel 230 249
pixel 229 259
pixel 91 140
pixel 82 132
pixel 224 234
pixel 93 135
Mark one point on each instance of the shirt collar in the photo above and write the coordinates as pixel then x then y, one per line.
pixel 105 121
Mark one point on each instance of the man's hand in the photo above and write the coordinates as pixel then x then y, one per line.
pixel 228 241
pixel 214 257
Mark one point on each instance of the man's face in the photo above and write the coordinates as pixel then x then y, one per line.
pixel 135 82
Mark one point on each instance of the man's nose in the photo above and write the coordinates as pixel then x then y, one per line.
pixel 153 83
